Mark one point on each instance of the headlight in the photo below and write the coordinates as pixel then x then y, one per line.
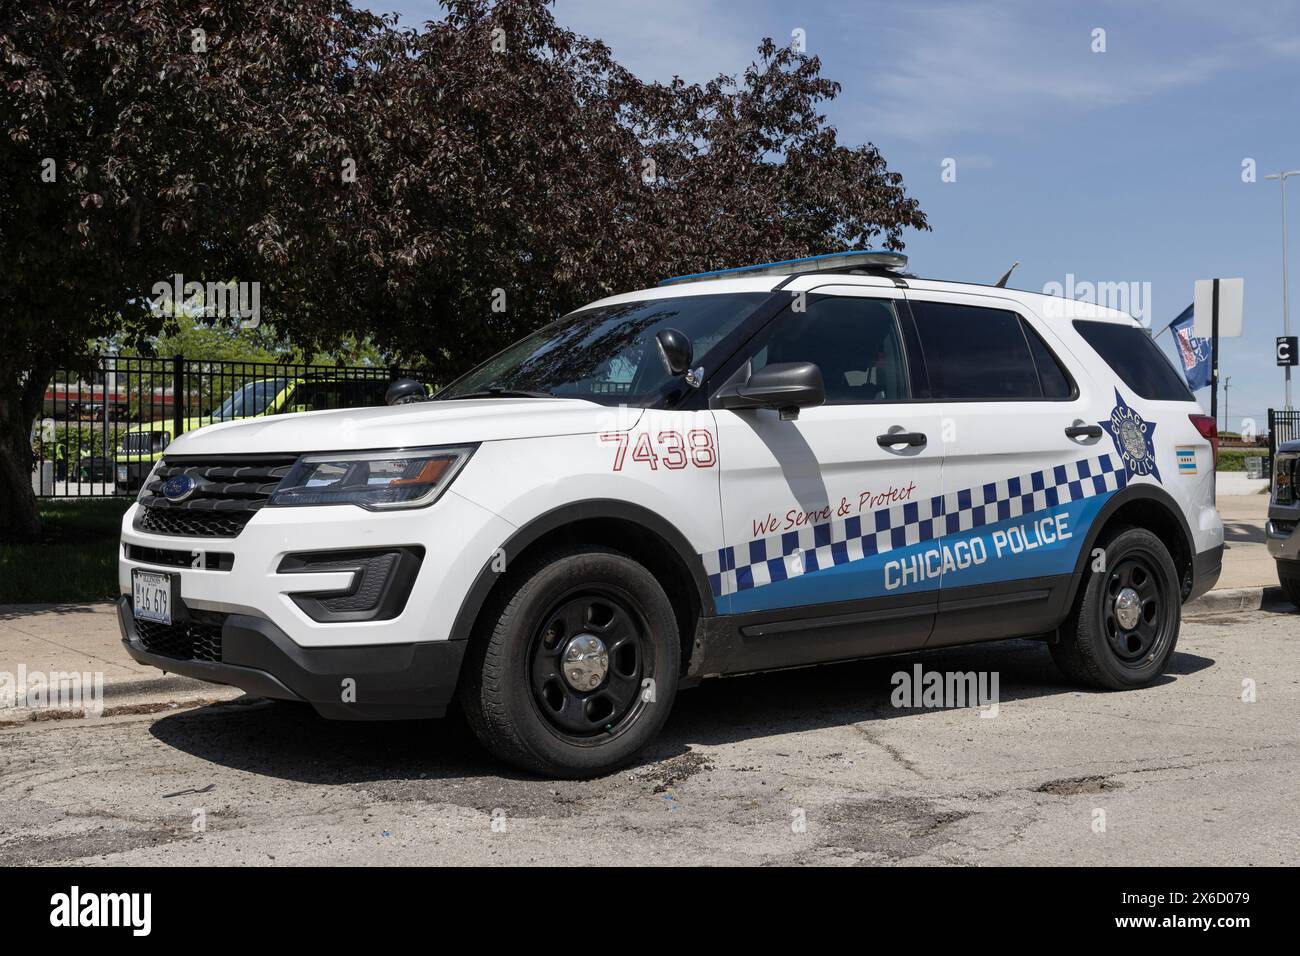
pixel 375 480
pixel 1284 477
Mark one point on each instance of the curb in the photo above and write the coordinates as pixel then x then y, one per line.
pixel 1237 599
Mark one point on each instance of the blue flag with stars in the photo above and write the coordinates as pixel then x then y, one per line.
pixel 1194 352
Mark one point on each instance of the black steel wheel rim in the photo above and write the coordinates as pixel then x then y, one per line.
pixel 610 706
pixel 1136 643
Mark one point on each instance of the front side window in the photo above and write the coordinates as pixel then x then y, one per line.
pixel 854 341
pixel 607 354
pixel 974 353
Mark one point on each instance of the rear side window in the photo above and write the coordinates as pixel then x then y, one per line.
pixel 975 354
pixel 1051 373
pixel 1136 359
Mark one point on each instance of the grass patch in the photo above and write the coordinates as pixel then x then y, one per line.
pixel 76 558
pixel 1234 459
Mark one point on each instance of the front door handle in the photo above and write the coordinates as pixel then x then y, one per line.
pixel 889 439
pixel 1083 431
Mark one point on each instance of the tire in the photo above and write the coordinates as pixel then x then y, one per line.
pixel 1096 648
pixel 518 682
pixel 1288 575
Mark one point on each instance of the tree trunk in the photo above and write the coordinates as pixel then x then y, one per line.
pixel 21 394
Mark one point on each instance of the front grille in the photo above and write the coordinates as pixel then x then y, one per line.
pixel 208 560
pixel 182 523
pixel 195 640
pixel 229 491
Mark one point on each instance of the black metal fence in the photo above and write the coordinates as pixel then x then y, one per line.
pixel 1283 426
pixel 100 433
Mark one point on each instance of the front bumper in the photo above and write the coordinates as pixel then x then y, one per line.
pixel 383 682
pixel 1282 532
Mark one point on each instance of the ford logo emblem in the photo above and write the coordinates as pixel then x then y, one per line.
pixel 179 488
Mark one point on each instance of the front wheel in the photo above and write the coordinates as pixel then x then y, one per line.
pixel 1124 625
pixel 1288 575
pixel 574 668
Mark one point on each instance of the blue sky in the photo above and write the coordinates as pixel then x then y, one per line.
pixel 1122 166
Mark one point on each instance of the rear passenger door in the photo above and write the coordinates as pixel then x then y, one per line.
pixel 820 514
pixel 1021 465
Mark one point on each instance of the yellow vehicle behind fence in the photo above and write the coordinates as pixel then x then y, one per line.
pixel 144 444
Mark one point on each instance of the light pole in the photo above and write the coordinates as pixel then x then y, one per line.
pixel 1286 312
pixel 1227 384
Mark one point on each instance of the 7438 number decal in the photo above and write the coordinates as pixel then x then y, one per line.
pixel 668 448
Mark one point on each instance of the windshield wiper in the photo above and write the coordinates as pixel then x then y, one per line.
pixel 500 393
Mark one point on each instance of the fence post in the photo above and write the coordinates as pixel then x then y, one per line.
pixel 178 386
pixel 1272 435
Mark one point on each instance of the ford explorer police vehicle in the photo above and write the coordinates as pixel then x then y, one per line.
pixel 765 467
pixel 1284 519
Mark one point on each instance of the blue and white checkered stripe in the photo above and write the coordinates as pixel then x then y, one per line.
pixel 814 547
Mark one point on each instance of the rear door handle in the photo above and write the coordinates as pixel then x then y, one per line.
pixel 1083 431
pixel 890 439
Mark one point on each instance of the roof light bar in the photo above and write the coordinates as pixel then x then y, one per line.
pixel 837 261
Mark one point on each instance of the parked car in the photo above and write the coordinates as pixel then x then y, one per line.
pixel 143 445
pixel 775 466
pixel 1284 519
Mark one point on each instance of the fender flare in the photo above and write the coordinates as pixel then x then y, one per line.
pixel 1127 495
pixel 557 518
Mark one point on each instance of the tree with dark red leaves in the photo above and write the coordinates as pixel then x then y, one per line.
pixel 442 190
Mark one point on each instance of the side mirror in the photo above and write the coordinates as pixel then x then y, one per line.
pixel 675 349
pixel 787 386
pixel 405 391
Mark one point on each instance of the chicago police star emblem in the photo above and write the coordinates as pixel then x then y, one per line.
pixel 1132 436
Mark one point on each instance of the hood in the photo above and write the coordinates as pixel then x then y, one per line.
pixel 165 425
pixel 406 426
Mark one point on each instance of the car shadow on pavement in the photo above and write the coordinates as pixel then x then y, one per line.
pixel 1243 531
pixel 290 742
pixel 861 691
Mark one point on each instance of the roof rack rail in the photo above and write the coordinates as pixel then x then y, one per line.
pixel 869 261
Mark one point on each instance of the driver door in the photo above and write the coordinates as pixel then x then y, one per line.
pixel 829 527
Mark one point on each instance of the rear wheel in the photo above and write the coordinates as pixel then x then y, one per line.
pixel 1124 625
pixel 575 668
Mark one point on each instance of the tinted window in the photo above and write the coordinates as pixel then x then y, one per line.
pixel 854 341
pixel 250 400
pixel 1051 373
pixel 1137 360
pixel 341 393
pixel 974 353
pixel 608 354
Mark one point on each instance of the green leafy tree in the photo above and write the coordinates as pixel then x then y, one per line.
pixel 432 193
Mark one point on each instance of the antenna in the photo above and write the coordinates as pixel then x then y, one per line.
pixel 1002 283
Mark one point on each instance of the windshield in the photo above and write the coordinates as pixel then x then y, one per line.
pixel 252 399
pixel 607 354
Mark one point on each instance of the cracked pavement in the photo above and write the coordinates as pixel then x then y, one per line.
pixel 807 766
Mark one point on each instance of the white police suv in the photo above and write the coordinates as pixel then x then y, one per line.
pixel 766 467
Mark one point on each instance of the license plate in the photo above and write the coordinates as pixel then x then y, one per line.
pixel 153 596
